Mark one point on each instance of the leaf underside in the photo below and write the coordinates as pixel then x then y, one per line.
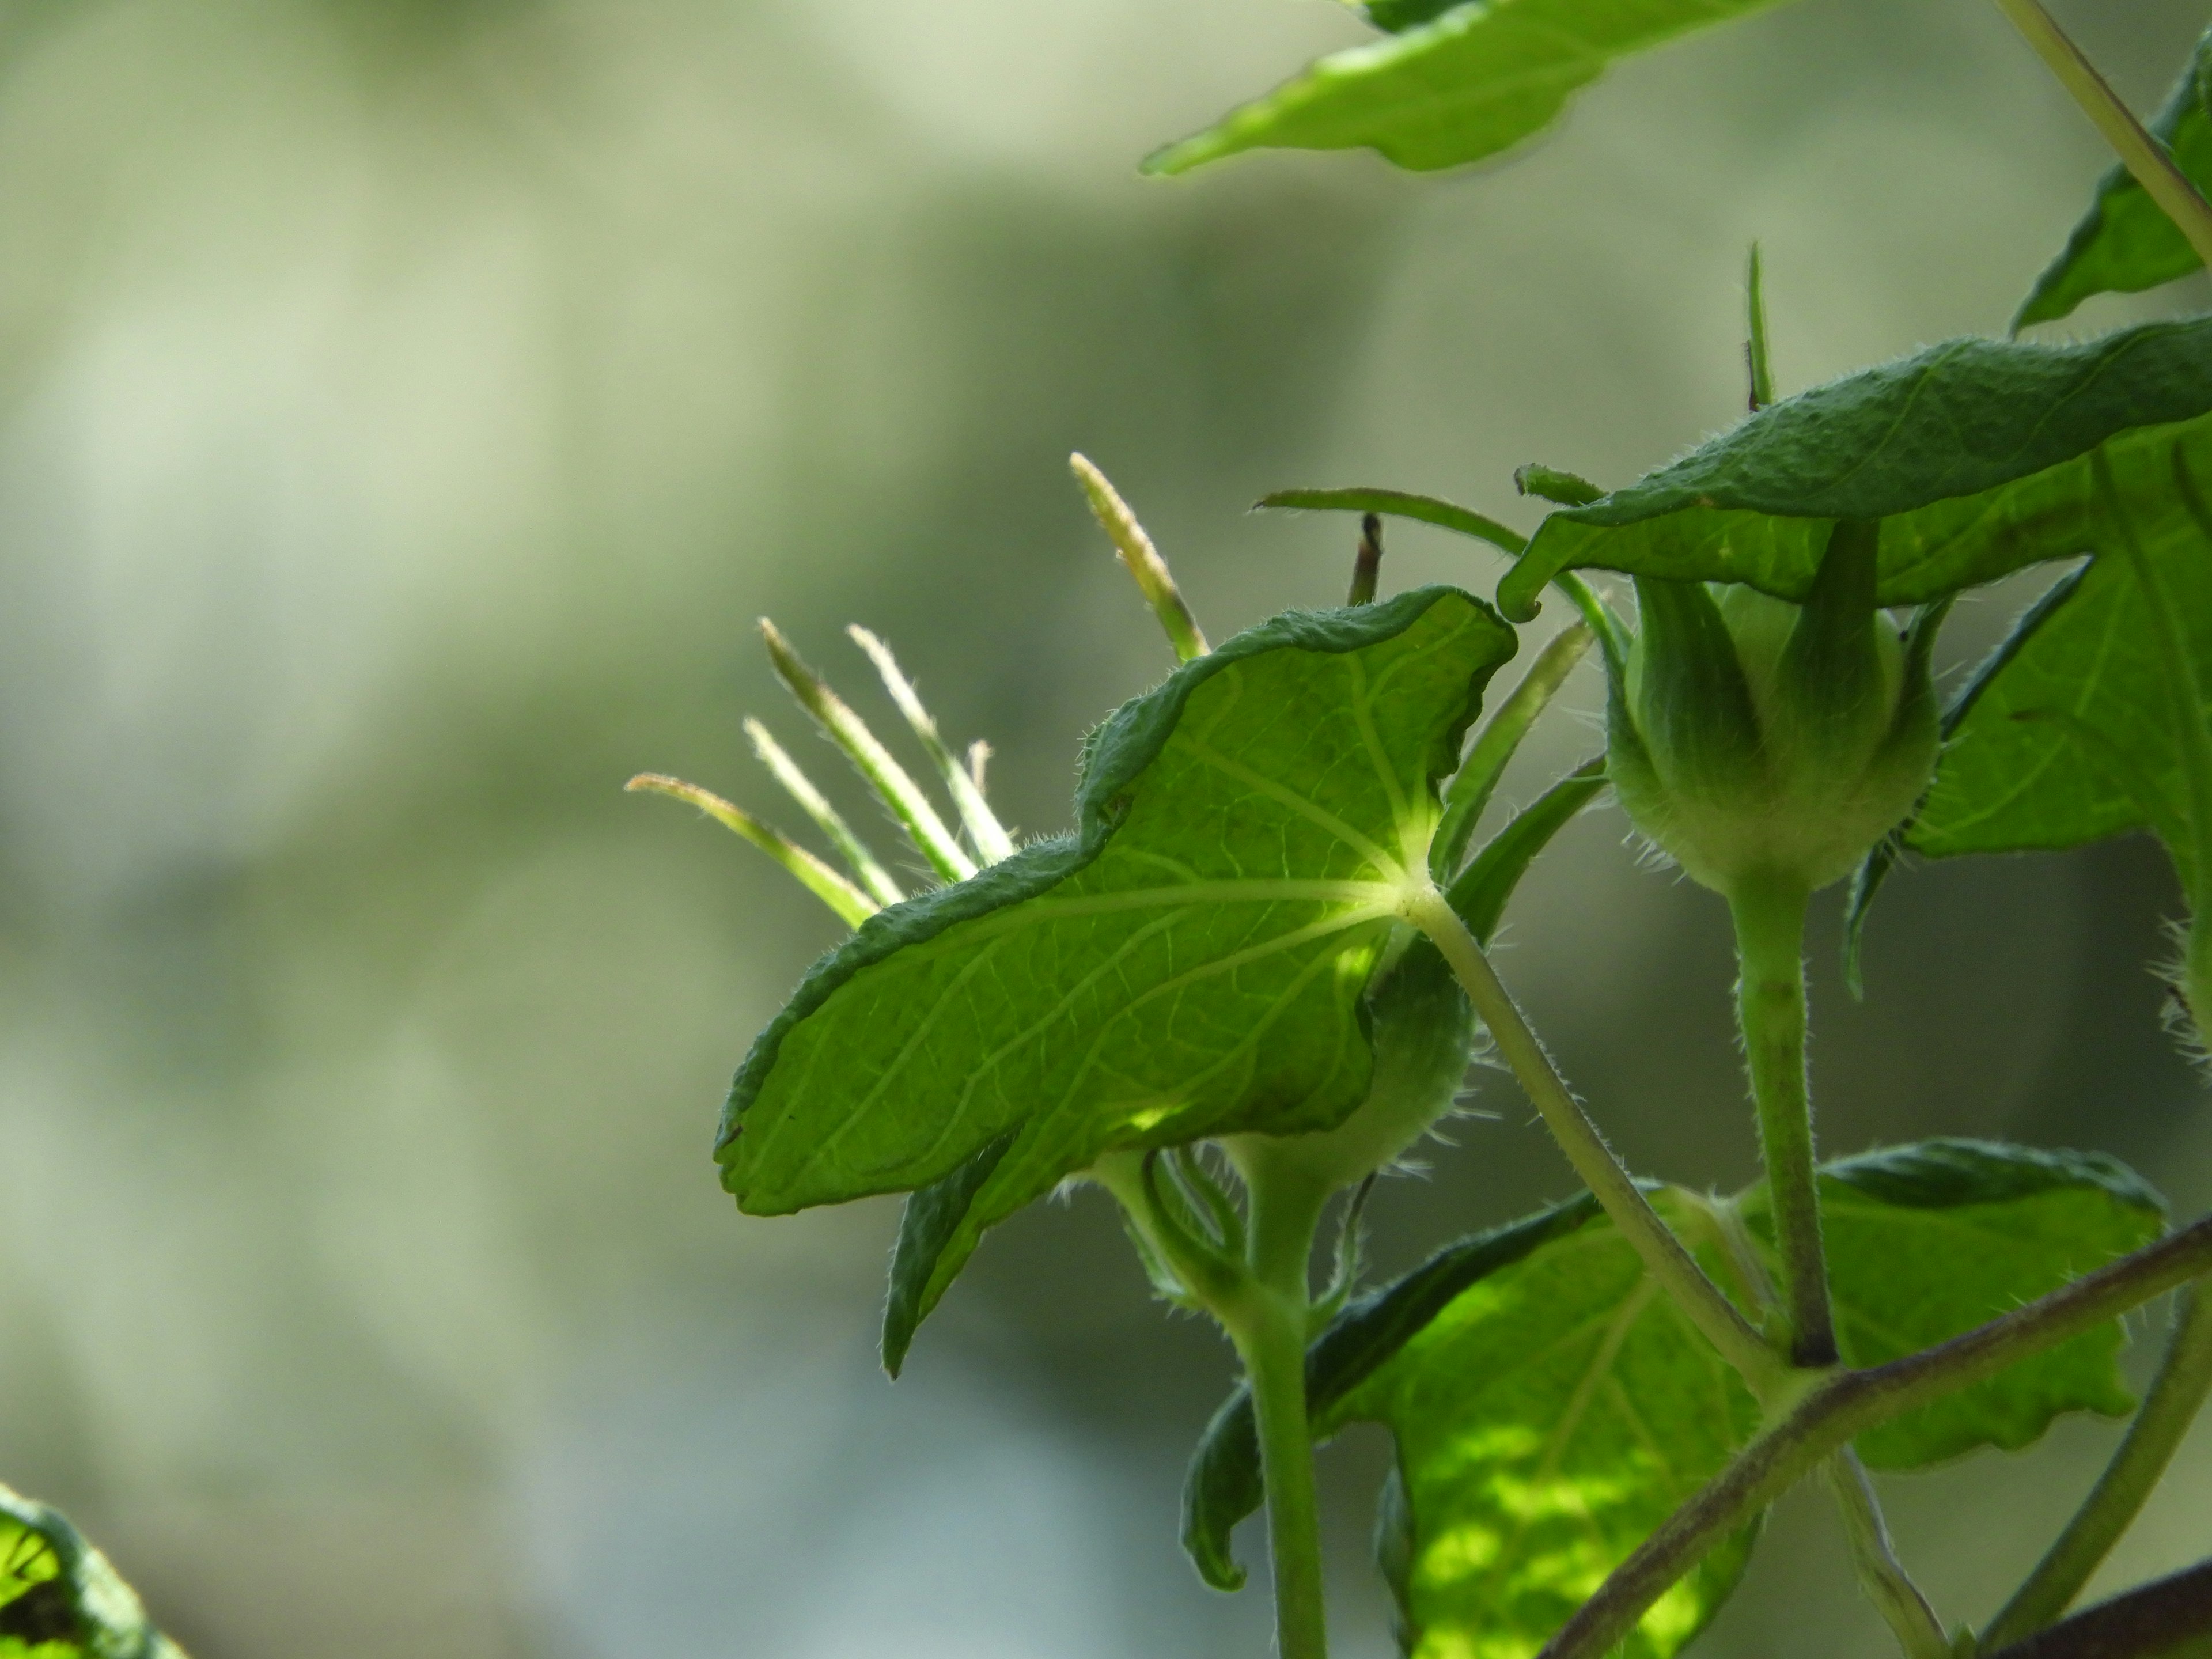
pixel 1190 962
pixel 1458 84
pixel 1551 1407
pixel 1928 1240
pixel 2066 736
pixel 59 1598
pixel 2126 243
pixel 1976 456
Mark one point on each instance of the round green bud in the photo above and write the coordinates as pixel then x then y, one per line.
pixel 1757 740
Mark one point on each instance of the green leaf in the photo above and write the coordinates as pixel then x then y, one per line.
pixel 1457 85
pixel 2126 243
pixel 1975 454
pixel 1551 1408
pixel 1928 1240
pixel 2065 735
pixel 1191 963
pixel 59 1598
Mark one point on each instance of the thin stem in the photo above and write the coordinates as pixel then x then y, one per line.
pixel 852 906
pixel 1919 1632
pixel 1770 942
pixel 1142 560
pixel 2185 1378
pixel 984 828
pixel 1664 1256
pixel 1845 1404
pixel 2141 153
pixel 800 787
pixel 1270 1324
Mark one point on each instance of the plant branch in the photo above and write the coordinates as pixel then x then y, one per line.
pixel 1919 1632
pixel 1770 936
pixel 1846 1404
pixel 2142 154
pixel 2184 1378
pixel 2157 1620
pixel 1664 1256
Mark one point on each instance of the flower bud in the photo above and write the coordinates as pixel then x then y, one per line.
pixel 1756 739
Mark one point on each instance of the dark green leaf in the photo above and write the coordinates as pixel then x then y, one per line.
pixel 1928 1240
pixel 1456 86
pixel 1975 455
pixel 59 1599
pixel 2126 243
pixel 1191 963
pixel 2065 735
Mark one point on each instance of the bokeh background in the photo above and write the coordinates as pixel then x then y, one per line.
pixel 405 408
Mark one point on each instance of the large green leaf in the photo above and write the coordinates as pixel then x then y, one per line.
pixel 1977 456
pixel 1191 963
pixel 1928 1240
pixel 1459 83
pixel 2066 735
pixel 2126 243
pixel 59 1599
pixel 1550 1407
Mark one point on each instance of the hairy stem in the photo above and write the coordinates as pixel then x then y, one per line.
pixel 1919 1632
pixel 1269 1324
pixel 1770 942
pixel 1846 1404
pixel 2141 153
pixel 2185 1378
pixel 1664 1256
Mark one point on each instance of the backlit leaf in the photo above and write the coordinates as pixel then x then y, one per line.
pixel 59 1599
pixel 1928 1240
pixel 1550 1407
pixel 1975 455
pixel 2126 243
pixel 1191 963
pixel 1458 83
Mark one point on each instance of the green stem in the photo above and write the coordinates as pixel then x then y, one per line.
pixel 1269 1323
pixel 1919 1632
pixel 1770 942
pixel 1664 1256
pixel 1843 1405
pixel 2185 1378
pixel 2141 153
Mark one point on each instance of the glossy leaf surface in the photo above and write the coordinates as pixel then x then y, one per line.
pixel 59 1598
pixel 2126 243
pixel 1928 1240
pixel 1192 962
pixel 1975 455
pixel 1456 85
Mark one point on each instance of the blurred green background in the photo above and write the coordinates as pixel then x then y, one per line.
pixel 405 409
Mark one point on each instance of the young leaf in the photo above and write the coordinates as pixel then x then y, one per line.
pixel 1190 962
pixel 1550 1409
pixel 59 1598
pixel 1975 455
pixel 1927 1241
pixel 2126 243
pixel 1459 84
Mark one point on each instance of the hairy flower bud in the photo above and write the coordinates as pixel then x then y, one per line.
pixel 1756 739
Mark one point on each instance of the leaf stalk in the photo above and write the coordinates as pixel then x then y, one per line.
pixel 1769 932
pixel 1664 1256
pixel 1919 1632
